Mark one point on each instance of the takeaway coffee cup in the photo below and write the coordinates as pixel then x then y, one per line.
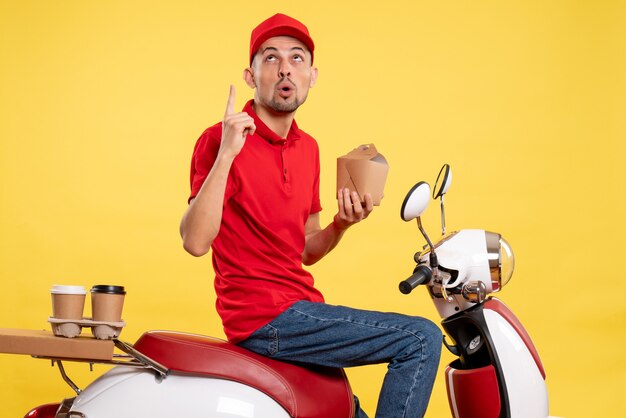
pixel 68 302
pixel 107 302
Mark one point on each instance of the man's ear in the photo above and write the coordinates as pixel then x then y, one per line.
pixel 313 76
pixel 248 76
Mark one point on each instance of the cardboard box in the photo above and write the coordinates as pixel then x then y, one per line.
pixel 363 170
pixel 45 344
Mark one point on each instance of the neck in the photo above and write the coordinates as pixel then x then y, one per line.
pixel 278 122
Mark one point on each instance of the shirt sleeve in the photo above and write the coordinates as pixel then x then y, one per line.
pixel 203 158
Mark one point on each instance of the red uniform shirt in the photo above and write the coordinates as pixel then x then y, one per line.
pixel 272 188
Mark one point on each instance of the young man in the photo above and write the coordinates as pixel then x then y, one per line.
pixel 255 201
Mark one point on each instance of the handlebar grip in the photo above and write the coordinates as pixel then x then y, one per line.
pixel 422 274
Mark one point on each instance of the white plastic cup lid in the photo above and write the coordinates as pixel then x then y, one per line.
pixel 59 289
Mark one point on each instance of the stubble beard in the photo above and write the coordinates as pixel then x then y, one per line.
pixel 281 106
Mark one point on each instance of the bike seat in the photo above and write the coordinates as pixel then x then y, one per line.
pixel 304 392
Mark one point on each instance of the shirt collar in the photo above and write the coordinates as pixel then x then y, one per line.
pixel 266 133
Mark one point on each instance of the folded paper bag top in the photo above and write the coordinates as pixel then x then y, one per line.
pixel 363 170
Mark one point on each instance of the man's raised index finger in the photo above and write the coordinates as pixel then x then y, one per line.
pixel 230 104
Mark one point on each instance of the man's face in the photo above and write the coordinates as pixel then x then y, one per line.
pixel 282 74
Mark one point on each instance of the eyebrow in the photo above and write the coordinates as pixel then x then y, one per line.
pixel 271 48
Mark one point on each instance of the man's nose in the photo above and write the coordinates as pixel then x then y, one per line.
pixel 284 70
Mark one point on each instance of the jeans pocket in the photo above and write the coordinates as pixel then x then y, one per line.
pixel 272 338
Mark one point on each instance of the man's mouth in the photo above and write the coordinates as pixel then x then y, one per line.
pixel 285 88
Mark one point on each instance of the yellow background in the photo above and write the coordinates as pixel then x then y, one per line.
pixel 101 103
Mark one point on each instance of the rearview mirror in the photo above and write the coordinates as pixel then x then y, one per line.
pixel 416 201
pixel 442 184
pixel 414 205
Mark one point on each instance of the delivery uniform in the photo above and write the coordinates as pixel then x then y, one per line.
pixel 272 188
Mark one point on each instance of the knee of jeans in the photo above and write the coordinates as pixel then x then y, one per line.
pixel 424 339
pixel 434 333
pixel 431 336
pixel 435 338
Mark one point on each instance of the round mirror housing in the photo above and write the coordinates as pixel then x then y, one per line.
pixel 443 182
pixel 415 202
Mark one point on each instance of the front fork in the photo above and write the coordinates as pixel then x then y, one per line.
pixel 475 382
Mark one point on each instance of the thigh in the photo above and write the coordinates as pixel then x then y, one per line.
pixel 338 336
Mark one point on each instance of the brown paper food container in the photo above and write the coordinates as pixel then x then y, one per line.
pixel 363 170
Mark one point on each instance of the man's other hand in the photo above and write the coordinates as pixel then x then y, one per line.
pixel 351 210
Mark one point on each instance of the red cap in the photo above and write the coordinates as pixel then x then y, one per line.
pixel 279 25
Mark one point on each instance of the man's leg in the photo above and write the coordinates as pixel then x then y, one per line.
pixel 337 336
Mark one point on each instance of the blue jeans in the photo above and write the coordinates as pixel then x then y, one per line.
pixel 337 336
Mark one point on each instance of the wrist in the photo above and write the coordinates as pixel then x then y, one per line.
pixel 338 225
pixel 225 157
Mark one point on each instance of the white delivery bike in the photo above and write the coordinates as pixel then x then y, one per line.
pixel 498 373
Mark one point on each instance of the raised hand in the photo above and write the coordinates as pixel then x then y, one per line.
pixel 235 128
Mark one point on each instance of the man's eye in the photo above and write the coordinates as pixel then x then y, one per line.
pixel 298 58
pixel 270 58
